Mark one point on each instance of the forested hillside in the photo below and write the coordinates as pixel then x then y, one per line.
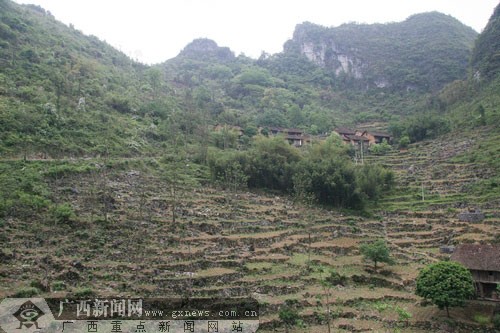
pixel 63 93
pixel 66 94
pixel 486 55
pixel 423 53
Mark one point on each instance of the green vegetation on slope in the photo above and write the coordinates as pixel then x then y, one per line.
pixel 486 55
pixel 66 94
pixel 63 93
pixel 424 52
pixel 321 173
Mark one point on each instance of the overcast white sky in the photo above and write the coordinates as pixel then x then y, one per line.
pixel 153 31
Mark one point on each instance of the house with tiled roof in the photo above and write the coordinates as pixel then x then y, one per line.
pixel 295 137
pixel 483 261
pixel 362 137
pixel 375 137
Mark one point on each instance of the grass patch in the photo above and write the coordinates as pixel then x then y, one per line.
pixel 481 319
pixel 259 266
pixel 27 292
pixel 83 292
pixel 214 272
pixel 299 259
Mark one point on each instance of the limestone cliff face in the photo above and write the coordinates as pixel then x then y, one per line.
pixel 424 52
pixel 206 49
pixel 331 57
pixel 314 42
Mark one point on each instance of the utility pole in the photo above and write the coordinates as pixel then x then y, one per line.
pixel 423 195
pixel 362 153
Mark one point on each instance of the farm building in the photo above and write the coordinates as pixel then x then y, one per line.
pixel 483 261
pixel 362 137
pixel 375 137
pixel 295 137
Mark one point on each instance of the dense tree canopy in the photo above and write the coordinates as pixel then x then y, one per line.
pixel 446 284
pixel 486 55
pixel 82 96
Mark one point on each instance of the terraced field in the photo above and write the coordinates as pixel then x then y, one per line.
pixel 268 247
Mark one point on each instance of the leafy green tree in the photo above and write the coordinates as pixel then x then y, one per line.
pixel 155 79
pixel 272 117
pixel 373 180
pixel 63 213
pixel 271 163
pixel 225 138
pixel 382 148
pixel 446 284
pixel 376 251
pixel 226 168
pixel 425 126
pixel 254 76
pixel 404 141
pixel 296 116
pixel 326 174
pixel 250 131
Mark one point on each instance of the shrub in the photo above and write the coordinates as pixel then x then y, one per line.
pixel 420 127
pixel 381 307
pixel 27 292
pixel 328 180
pixel 39 285
pixel 63 213
pixel 404 141
pixel 270 164
pixel 226 169
pixel 426 126
pixel 481 319
pixel 289 315
pixel 83 293
pixel 58 285
pixel 27 204
pixel 381 148
pixel 403 315
pixel 62 170
pixel 336 278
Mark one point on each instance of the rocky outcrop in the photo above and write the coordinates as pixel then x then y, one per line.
pixel 206 49
pixel 318 45
pixel 333 58
pixel 404 55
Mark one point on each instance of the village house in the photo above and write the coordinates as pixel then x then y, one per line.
pixel 349 136
pixel 483 261
pixel 358 140
pixel 344 133
pixel 295 137
pixel 362 137
pixel 375 137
